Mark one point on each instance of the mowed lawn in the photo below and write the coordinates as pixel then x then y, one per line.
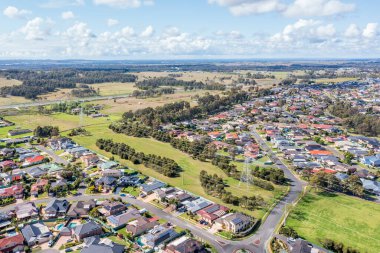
pixel 351 221
pixel 189 179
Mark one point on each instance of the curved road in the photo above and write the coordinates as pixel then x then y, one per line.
pixel 256 243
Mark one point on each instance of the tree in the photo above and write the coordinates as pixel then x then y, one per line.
pixel 348 157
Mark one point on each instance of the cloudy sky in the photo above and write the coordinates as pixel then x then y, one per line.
pixel 189 29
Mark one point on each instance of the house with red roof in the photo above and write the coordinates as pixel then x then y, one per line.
pixel 213 212
pixel 8 164
pixel 215 135
pixel 16 191
pixel 38 187
pixel 33 160
pixel 12 244
pixel 231 136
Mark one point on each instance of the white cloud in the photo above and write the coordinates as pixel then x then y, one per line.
pixel 36 29
pixel 54 4
pixel 13 12
pixel 67 15
pixel 80 34
pixel 325 31
pixel 124 3
pixel 112 22
pixel 305 8
pixel 371 30
pixel 352 31
pixel 127 32
pixel 147 32
pixel 247 7
pixel 298 8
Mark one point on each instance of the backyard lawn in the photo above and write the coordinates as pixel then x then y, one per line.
pixel 351 221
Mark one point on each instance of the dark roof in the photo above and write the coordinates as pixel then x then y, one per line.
pixel 96 245
pixel 57 205
pixel 86 228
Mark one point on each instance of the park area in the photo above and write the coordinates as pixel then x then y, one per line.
pixel 351 221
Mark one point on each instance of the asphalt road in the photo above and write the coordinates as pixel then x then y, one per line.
pixel 56 158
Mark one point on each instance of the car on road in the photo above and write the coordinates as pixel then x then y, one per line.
pixel 69 250
pixel 122 195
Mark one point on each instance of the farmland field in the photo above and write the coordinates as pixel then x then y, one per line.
pixel 351 221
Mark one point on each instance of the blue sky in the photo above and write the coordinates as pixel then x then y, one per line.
pixel 189 29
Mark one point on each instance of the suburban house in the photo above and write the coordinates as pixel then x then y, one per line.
pixel 6 165
pixel 123 218
pixel 213 212
pixel 29 161
pixel 16 191
pixel 371 186
pixel 36 233
pixel 158 235
pixel 108 183
pixel 95 244
pixel 108 165
pixel 148 188
pixel 38 186
pixel 26 211
pixel 81 208
pixel 196 204
pixel 373 161
pixel 36 172
pixel 56 207
pixel 112 207
pixel 185 244
pixel 235 222
pixel 13 243
pixel 140 225
pixel 90 159
pixel 86 230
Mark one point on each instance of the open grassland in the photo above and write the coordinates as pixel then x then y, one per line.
pixel 63 121
pixel 110 89
pixel 122 105
pixel 351 221
pixel 8 82
pixel 189 179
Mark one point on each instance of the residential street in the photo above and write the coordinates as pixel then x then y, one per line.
pixel 56 158
pixel 256 243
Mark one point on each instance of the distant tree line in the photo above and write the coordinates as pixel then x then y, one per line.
pixel 166 166
pixel 35 83
pixel 152 92
pixel 180 111
pixel 170 81
pixel 365 124
pixel 214 186
pixel 84 92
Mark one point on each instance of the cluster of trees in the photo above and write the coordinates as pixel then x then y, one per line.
pixel 337 247
pixel 79 131
pixel 7 201
pixel 46 131
pixel 273 175
pixel 35 83
pixel 152 92
pixel 84 92
pixel 214 186
pixel 224 163
pixel 166 166
pixel 171 81
pixel 179 111
pixel 352 185
pixel 364 124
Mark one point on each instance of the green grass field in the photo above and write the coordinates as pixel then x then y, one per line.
pixel 189 179
pixel 351 221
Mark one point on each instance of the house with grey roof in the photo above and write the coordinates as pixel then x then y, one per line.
pixel 26 211
pixel 123 218
pixel 235 222
pixel 197 204
pixel 86 230
pixel 95 244
pixel 158 235
pixel 148 188
pixel 56 207
pixel 81 208
pixel 371 186
pixel 36 233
